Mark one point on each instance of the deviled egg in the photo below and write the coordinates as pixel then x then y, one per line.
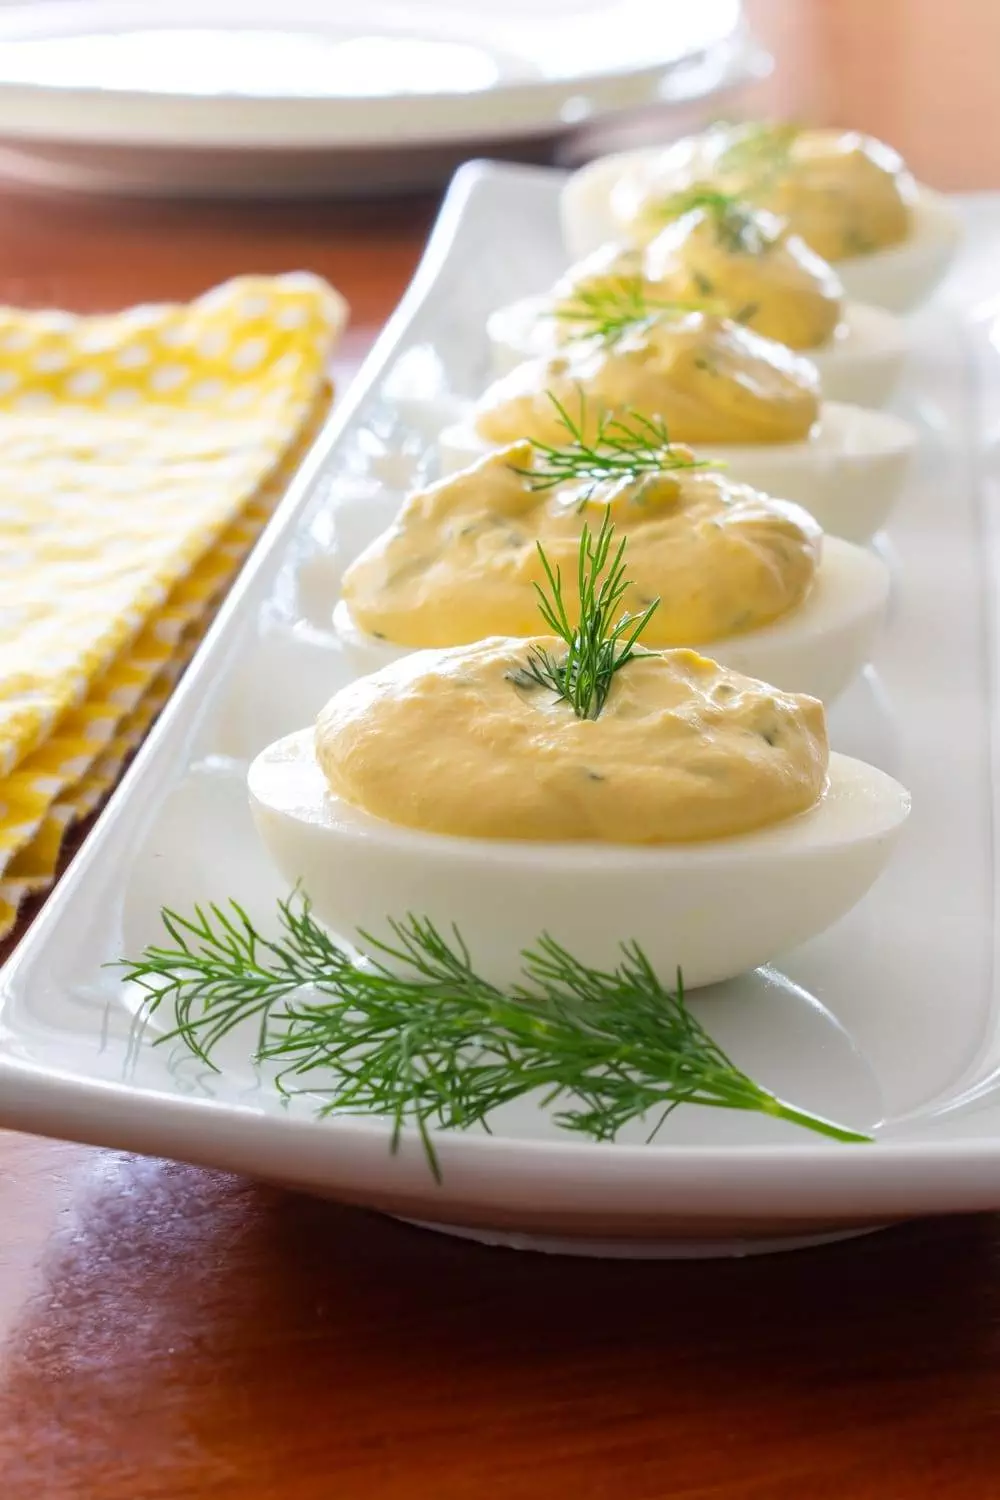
pixel 699 814
pixel 749 580
pixel 742 399
pixel 744 262
pixel 847 195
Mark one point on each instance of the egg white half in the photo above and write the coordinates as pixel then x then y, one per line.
pixel 898 278
pixel 715 909
pixel 861 364
pixel 818 648
pixel 849 472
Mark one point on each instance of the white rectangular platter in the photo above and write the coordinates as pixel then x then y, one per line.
pixel 888 1022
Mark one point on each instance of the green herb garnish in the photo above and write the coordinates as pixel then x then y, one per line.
pixel 856 242
pixel 599 646
pixel 762 149
pixel 416 1036
pixel 618 306
pixel 734 222
pixel 626 448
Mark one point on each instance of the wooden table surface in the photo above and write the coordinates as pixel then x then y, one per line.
pixel 167 1333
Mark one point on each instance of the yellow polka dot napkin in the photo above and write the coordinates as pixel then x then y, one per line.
pixel 140 456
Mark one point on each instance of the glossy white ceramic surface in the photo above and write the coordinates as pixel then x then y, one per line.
pixel 244 96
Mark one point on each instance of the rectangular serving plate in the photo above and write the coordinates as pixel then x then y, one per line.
pixel 889 1020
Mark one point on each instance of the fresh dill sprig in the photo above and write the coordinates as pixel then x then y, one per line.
pixel 759 156
pixel 734 222
pixel 415 1035
pixel 617 306
pixel 599 646
pixel 627 446
pixel 762 148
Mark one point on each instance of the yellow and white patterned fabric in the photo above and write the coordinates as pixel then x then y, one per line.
pixel 140 456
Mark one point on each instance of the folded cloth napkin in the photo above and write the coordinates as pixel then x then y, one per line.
pixel 140 456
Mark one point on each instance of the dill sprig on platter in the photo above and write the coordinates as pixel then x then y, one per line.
pixel 620 305
pixel 626 446
pixel 600 644
pixel 413 1034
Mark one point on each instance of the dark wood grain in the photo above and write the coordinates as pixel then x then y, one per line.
pixel 172 1334
pixel 191 1335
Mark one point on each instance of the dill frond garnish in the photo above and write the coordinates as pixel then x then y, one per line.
pixel 621 305
pixel 414 1035
pixel 626 447
pixel 734 221
pixel 762 148
pixel 600 645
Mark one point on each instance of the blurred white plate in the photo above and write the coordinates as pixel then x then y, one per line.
pixel 252 95
pixel 889 1021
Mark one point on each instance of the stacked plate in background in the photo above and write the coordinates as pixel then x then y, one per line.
pixel 302 98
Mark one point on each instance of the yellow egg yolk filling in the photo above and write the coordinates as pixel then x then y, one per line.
pixel 708 379
pixel 460 561
pixel 451 742
pixel 746 259
pixel 731 258
pixel 844 193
